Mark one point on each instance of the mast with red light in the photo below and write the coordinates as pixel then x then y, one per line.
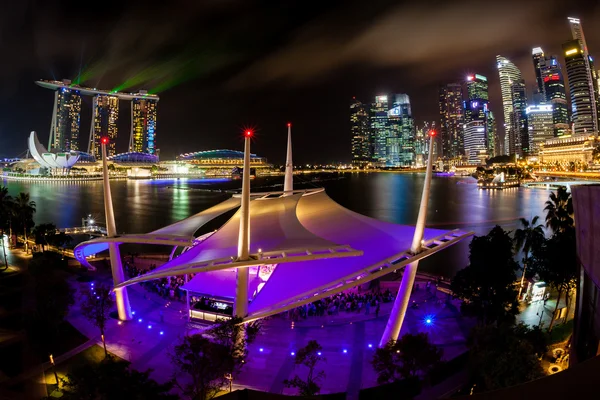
pixel 116 265
pixel 288 181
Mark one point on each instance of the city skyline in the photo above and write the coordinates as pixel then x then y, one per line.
pixel 327 90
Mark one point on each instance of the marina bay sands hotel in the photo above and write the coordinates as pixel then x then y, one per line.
pixel 66 118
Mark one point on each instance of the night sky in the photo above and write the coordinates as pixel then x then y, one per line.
pixel 221 65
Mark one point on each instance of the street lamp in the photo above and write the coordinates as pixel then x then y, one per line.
pixel 230 379
pixel 54 370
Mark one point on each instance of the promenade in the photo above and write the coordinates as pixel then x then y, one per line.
pixel 349 339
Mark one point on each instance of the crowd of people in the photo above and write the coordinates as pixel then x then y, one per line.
pixel 348 302
pixel 169 287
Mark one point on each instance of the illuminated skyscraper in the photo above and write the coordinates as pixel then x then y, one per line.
pixel 66 118
pixel 362 150
pixel 581 87
pixel 106 117
pixel 582 67
pixel 477 120
pixel 519 119
pixel 509 74
pixel 540 126
pixel 451 120
pixel 378 116
pixel 143 125
pixel 492 134
pixel 401 133
pixel 539 63
pixel 554 88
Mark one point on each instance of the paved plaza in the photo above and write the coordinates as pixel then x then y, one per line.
pixel 349 339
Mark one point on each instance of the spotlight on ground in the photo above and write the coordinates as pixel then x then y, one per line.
pixel 370 346
pixel 162 332
pixel 149 326
pixel 140 320
pixel 292 353
pixel 261 349
pixel 345 351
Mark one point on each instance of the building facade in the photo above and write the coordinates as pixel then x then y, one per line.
pixel 554 88
pixel 143 125
pixel 540 126
pixel 378 116
pixel 509 74
pixel 576 149
pixel 362 149
pixel 66 121
pixel 451 120
pixel 584 115
pixel 401 131
pixel 106 117
pixel 539 91
pixel 519 143
pixel 478 121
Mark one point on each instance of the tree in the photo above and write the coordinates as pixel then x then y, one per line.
pixel 486 285
pixel 25 208
pixel 44 234
pixel 526 238
pixel 206 361
pixel 504 355
pixel 5 216
pixel 559 211
pixel 309 356
pixel 555 262
pixel 113 379
pixel 405 358
pixel 53 297
pixel 201 366
pixel 95 307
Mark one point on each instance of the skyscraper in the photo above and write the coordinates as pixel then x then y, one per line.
pixel 477 122
pixel 540 126
pixel 106 116
pixel 539 63
pixel 581 86
pixel 378 116
pixel 492 135
pixel 66 119
pixel 143 125
pixel 580 65
pixel 509 74
pixel 401 131
pixel 519 119
pixel 451 120
pixel 362 152
pixel 554 87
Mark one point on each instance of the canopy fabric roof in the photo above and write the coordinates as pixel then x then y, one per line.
pixel 323 217
pixel 220 284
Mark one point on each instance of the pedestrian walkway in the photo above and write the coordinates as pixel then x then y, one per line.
pixel 349 339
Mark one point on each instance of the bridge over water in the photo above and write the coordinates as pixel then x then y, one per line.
pixel 553 185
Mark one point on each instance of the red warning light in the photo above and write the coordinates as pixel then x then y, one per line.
pixel 432 133
pixel 289 124
pixel 248 133
pixel 104 140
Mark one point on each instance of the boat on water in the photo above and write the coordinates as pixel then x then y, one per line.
pixel 499 182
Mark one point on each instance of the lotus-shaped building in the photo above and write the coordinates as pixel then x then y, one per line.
pixel 47 159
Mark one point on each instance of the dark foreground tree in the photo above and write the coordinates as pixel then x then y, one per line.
pixel 504 355
pixel 530 236
pixel 205 362
pixel 96 304
pixel 113 379
pixel 559 211
pixel 44 235
pixel 406 358
pixel 486 285
pixel 308 356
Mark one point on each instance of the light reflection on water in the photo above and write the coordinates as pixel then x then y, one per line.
pixel 145 205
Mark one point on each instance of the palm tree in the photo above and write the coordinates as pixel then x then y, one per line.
pixel 559 211
pixel 5 215
pixel 527 238
pixel 25 208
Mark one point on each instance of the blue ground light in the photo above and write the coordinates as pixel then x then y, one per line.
pixel 428 320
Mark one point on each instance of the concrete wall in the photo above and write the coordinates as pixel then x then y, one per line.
pixel 586 202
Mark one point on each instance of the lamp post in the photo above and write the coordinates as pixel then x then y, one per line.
pixel 121 297
pixel 394 324
pixel 54 370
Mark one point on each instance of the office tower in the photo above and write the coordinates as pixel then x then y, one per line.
pixel 66 118
pixel 106 116
pixel 540 126
pixel 451 120
pixel 491 134
pixel 143 124
pixel 519 119
pixel 581 65
pixel 509 74
pixel 581 86
pixel 362 152
pixel 539 62
pixel 378 116
pixel 554 87
pixel 401 132
pixel 476 129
